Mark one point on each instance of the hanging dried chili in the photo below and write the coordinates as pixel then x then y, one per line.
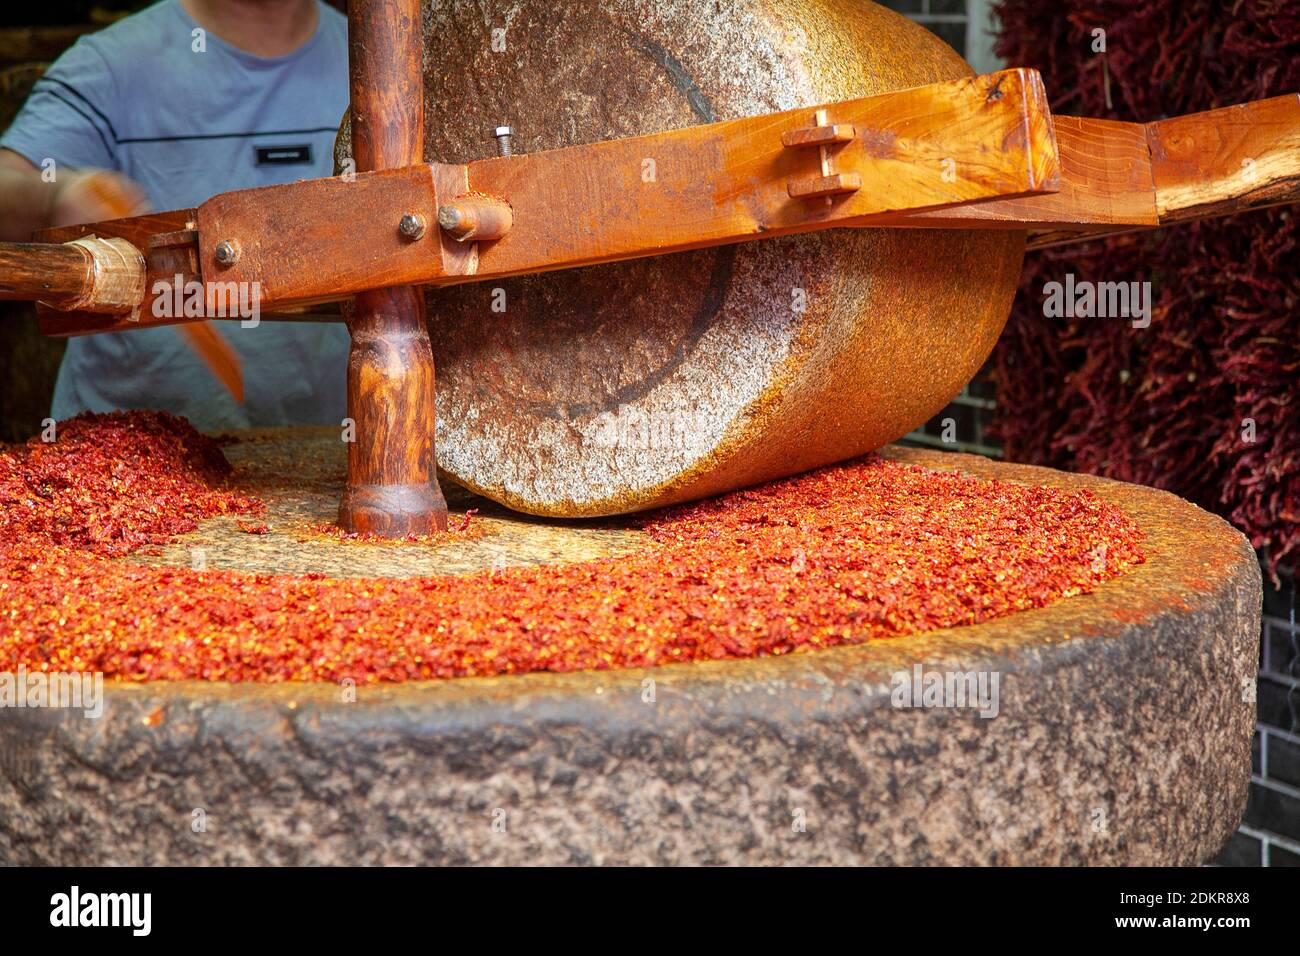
pixel 1204 402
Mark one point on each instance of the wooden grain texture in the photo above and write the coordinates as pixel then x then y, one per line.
pixel 392 487
pixel 323 238
pixel 1066 178
pixel 162 264
pixel 1105 182
pixel 727 182
pixel 475 218
pixel 1227 160
pixel 683 189
pixel 43 271
pixel 1216 163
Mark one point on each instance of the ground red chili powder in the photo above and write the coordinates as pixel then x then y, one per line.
pixel 869 549
pixel 110 484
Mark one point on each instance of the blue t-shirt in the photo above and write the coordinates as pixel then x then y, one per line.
pixel 140 99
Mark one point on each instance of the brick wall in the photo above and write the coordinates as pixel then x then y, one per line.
pixel 1270 833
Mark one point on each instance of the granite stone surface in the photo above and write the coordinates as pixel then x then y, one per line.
pixel 1122 736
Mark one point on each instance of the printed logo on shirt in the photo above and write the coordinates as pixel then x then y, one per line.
pixel 284 155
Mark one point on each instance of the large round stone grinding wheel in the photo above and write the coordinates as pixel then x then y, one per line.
pixel 623 387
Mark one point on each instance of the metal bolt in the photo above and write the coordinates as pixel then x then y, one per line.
pixel 503 134
pixel 449 218
pixel 227 252
pixel 412 226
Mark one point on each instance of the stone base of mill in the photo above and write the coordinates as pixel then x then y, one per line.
pixel 1122 736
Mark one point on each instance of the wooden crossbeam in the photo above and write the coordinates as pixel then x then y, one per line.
pixel 934 146
pixel 1216 163
pixel 981 153
pixel 648 195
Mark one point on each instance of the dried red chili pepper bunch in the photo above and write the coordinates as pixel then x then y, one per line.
pixel 1167 406
pixel 870 549
pixel 110 484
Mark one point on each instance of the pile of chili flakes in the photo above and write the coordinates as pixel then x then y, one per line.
pixel 859 551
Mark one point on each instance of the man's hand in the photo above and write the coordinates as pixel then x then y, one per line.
pixel 29 203
pixel 89 195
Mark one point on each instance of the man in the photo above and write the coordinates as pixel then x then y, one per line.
pixel 187 99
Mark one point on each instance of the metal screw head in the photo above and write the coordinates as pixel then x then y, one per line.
pixel 449 217
pixel 227 252
pixel 412 226
pixel 503 134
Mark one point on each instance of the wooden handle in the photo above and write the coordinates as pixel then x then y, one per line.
pixel 392 487
pixel 88 275
pixel 46 271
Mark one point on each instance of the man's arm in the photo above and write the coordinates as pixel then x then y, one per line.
pixel 54 156
pixel 28 202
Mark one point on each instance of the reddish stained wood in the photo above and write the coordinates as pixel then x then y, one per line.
pixel 475 218
pixel 39 271
pixel 322 237
pixel 1227 160
pixel 1105 182
pixel 1214 163
pixel 162 264
pixel 836 184
pixel 683 189
pixel 817 136
pixel 392 484
pixel 727 182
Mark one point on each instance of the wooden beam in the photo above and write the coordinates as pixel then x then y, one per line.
pixel 1106 183
pixel 981 153
pixel 392 484
pixel 647 195
pixel 1227 160
pixel 1215 163
pixel 728 182
pixel 323 237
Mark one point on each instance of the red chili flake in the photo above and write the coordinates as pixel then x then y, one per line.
pixel 861 551
pixel 249 528
pixel 460 532
pixel 111 484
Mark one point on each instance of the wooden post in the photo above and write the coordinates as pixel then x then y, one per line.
pixel 392 485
